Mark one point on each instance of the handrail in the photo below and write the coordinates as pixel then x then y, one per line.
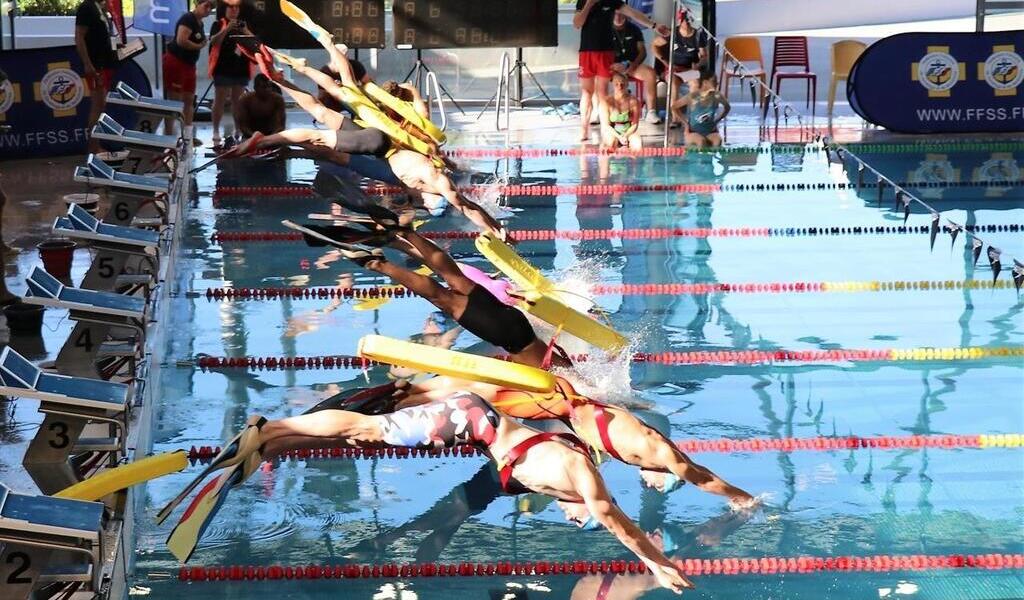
pixel 436 89
pixel 903 195
pixel 503 83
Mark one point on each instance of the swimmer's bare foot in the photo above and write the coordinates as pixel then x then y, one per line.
pixel 364 257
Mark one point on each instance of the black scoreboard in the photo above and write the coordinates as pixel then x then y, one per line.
pixel 475 23
pixel 355 23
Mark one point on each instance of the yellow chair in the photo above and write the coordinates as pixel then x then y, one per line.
pixel 844 54
pixel 744 50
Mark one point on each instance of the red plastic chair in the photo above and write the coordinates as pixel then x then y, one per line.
pixel 791 51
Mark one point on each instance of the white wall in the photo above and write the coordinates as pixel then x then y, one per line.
pixel 759 16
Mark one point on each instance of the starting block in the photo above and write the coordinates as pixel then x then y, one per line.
pixel 119 250
pixel 147 152
pixel 48 540
pixel 83 418
pixel 92 350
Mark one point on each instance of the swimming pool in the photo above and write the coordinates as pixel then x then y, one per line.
pixel 861 502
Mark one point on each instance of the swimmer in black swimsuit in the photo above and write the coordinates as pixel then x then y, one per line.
pixel 471 305
pixel 548 463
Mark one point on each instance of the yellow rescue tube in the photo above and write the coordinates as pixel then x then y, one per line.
pixel 370 116
pixel 125 476
pixel 515 267
pixel 406 109
pixel 456 364
pixel 555 312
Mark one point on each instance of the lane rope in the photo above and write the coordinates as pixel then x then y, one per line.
pixel 709 357
pixel 654 233
pixel 627 289
pixel 299 191
pixel 690 566
pixel 691 446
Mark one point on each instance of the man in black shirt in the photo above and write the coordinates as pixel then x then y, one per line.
pixel 630 57
pixel 96 43
pixel 597 50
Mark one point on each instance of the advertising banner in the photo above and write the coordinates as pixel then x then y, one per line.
pixel 45 101
pixel 942 82
pixel 158 16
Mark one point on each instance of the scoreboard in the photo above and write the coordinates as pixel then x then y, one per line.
pixel 355 23
pixel 475 23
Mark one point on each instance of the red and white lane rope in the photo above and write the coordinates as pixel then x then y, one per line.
pixel 653 233
pixel 723 445
pixel 630 289
pixel 772 565
pixel 700 357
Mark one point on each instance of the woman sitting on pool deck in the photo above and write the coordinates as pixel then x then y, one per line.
pixel 702 118
pixel 555 464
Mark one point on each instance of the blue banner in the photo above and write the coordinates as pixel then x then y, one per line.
pixel 942 82
pixel 45 102
pixel 159 16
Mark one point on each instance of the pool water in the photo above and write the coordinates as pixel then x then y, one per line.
pixel 860 502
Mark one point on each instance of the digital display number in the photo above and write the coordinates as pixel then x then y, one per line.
pixel 355 23
pixel 475 23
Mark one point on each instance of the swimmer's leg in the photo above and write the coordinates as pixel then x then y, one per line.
pixel 323 429
pixel 438 260
pixel 450 302
pixel 321 113
pixel 299 137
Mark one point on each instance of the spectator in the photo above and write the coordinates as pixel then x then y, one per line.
pixel 688 56
pixel 620 117
pixel 597 50
pixel 630 60
pixel 228 67
pixel 260 110
pixel 96 43
pixel 181 57
pixel 702 116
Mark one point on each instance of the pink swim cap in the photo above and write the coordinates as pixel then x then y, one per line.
pixel 499 288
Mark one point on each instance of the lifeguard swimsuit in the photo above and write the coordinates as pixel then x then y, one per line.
pixel 462 418
pixel 559 405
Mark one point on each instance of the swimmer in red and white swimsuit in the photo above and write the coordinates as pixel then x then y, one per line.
pixel 524 455
pixel 610 429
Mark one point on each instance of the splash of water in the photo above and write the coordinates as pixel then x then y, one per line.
pixel 489 197
pixel 603 376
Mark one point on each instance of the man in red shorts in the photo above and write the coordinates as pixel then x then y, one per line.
pixel 597 49
pixel 95 41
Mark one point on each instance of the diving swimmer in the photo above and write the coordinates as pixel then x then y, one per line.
pixel 612 429
pixel 554 464
pixel 480 305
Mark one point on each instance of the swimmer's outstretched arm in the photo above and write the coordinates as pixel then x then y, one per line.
pixel 439 183
pixel 599 502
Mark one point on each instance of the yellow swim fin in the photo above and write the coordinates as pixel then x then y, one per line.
pixel 186 534
pixel 300 18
